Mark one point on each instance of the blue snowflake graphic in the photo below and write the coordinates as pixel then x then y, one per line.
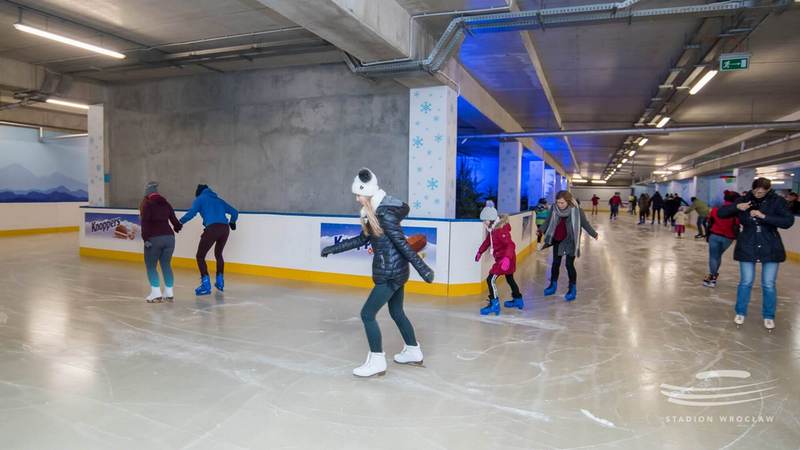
pixel 416 123
pixel 433 184
pixel 419 169
pixel 416 94
pixel 417 142
pixel 430 152
pixel 437 201
pixel 417 204
pixel 438 138
pixel 435 118
pixel 426 107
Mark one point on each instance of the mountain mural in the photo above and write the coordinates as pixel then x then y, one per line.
pixel 20 185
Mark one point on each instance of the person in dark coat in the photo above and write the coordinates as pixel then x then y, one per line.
pixel 380 222
pixel 564 230
pixel 656 204
pixel 156 215
pixel 644 208
pixel 761 213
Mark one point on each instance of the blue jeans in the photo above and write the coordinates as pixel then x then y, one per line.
pixel 716 248
pixel 160 251
pixel 702 225
pixel 747 272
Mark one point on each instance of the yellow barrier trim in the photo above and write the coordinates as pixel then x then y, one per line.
pixel 28 231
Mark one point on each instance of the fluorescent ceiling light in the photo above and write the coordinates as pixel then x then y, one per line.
pixel 703 81
pixel 777 182
pixel 619 165
pixel 576 176
pixel 579 180
pixel 643 141
pixel 624 160
pixel 662 172
pixel 675 167
pixel 599 181
pixel 68 41
pixel 662 122
pixel 65 103
pixel 632 152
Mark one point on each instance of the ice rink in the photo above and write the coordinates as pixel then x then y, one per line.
pixel 645 358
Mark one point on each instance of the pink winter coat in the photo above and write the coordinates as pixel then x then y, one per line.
pixel 504 250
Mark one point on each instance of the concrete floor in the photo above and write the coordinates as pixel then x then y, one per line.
pixel 86 364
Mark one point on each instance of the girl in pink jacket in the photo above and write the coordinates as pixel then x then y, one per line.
pixel 504 251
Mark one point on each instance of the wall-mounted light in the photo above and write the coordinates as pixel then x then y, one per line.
pixel 68 41
pixel 54 101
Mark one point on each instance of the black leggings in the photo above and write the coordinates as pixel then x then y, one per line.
pixel 380 295
pixel 656 212
pixel 216 235
pixel 492 282
pixel 555 269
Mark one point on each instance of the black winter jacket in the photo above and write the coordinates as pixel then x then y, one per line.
pixel 759 240
pixel 391 252
pixel 657 202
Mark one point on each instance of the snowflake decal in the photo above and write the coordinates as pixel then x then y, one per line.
pixel 416 94
pixel 435 118
pixel 417 142
pixel 430 152
pixel 433 183
pixel 438 138
pixel 426 107
pixel 437 201
pixel 417 204
pixel 416 123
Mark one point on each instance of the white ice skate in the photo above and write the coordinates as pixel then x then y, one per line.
pixel 374 365
pixel 155 295
pixel 168 294
pixel 411 355
pixel 769 324
pixel 738 320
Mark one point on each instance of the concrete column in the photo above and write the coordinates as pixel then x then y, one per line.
pixel 99 162
pixel 509 177
pixel 744 179
pixel 535 182
pixel 702 189
pixel 550 185
pixel 432 152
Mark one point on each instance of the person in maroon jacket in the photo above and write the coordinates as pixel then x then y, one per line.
pixel 615 203
pixel 504 251
pixel 722 234
pixel 156 214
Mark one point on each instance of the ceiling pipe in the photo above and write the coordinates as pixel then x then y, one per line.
pixel 640 131
pixel 541 19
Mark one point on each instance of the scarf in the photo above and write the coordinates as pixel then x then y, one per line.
pixel 574 229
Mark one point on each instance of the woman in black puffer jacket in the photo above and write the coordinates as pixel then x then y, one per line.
pixel 380 220
pixel 761 212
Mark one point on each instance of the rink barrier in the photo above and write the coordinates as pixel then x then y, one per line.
pixel 254 250
pixel 29 231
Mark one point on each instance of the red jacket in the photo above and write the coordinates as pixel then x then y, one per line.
pixel 503 247
pixel 723 227
pixel 615 201
pixel 595 200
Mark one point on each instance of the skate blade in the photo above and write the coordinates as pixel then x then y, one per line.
pixel 412 363
pixel 155 300
pixel 379 374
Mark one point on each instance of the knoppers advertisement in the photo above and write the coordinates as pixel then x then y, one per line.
pixel 422 240
pixel 113 226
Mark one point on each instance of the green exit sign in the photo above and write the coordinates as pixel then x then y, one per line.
pixel 734 61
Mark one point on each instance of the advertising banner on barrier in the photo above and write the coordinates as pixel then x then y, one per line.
pixel 112 226
pixel 422 240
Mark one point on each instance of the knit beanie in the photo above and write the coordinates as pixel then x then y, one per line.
pixel 365 183
pixel 200 189
pixel 150 188
pixel 489 213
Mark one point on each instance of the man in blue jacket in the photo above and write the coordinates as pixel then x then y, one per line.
pixel 214 211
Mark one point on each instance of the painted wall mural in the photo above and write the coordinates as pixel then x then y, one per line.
pixel 36 172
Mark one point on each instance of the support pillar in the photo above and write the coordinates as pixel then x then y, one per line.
pixel 535 182
pixel 432 152
pixel 550 185
pixel 509 177
pixel 744 179
pixel 99 164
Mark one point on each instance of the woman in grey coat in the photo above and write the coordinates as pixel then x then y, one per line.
pixel 564 235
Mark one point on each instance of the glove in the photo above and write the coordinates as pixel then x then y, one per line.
pixel 178 227
pixel 147 244
pixel 478 257
pixel 232 225
pixel 428 277
pixel 505 263
pixel 325 252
